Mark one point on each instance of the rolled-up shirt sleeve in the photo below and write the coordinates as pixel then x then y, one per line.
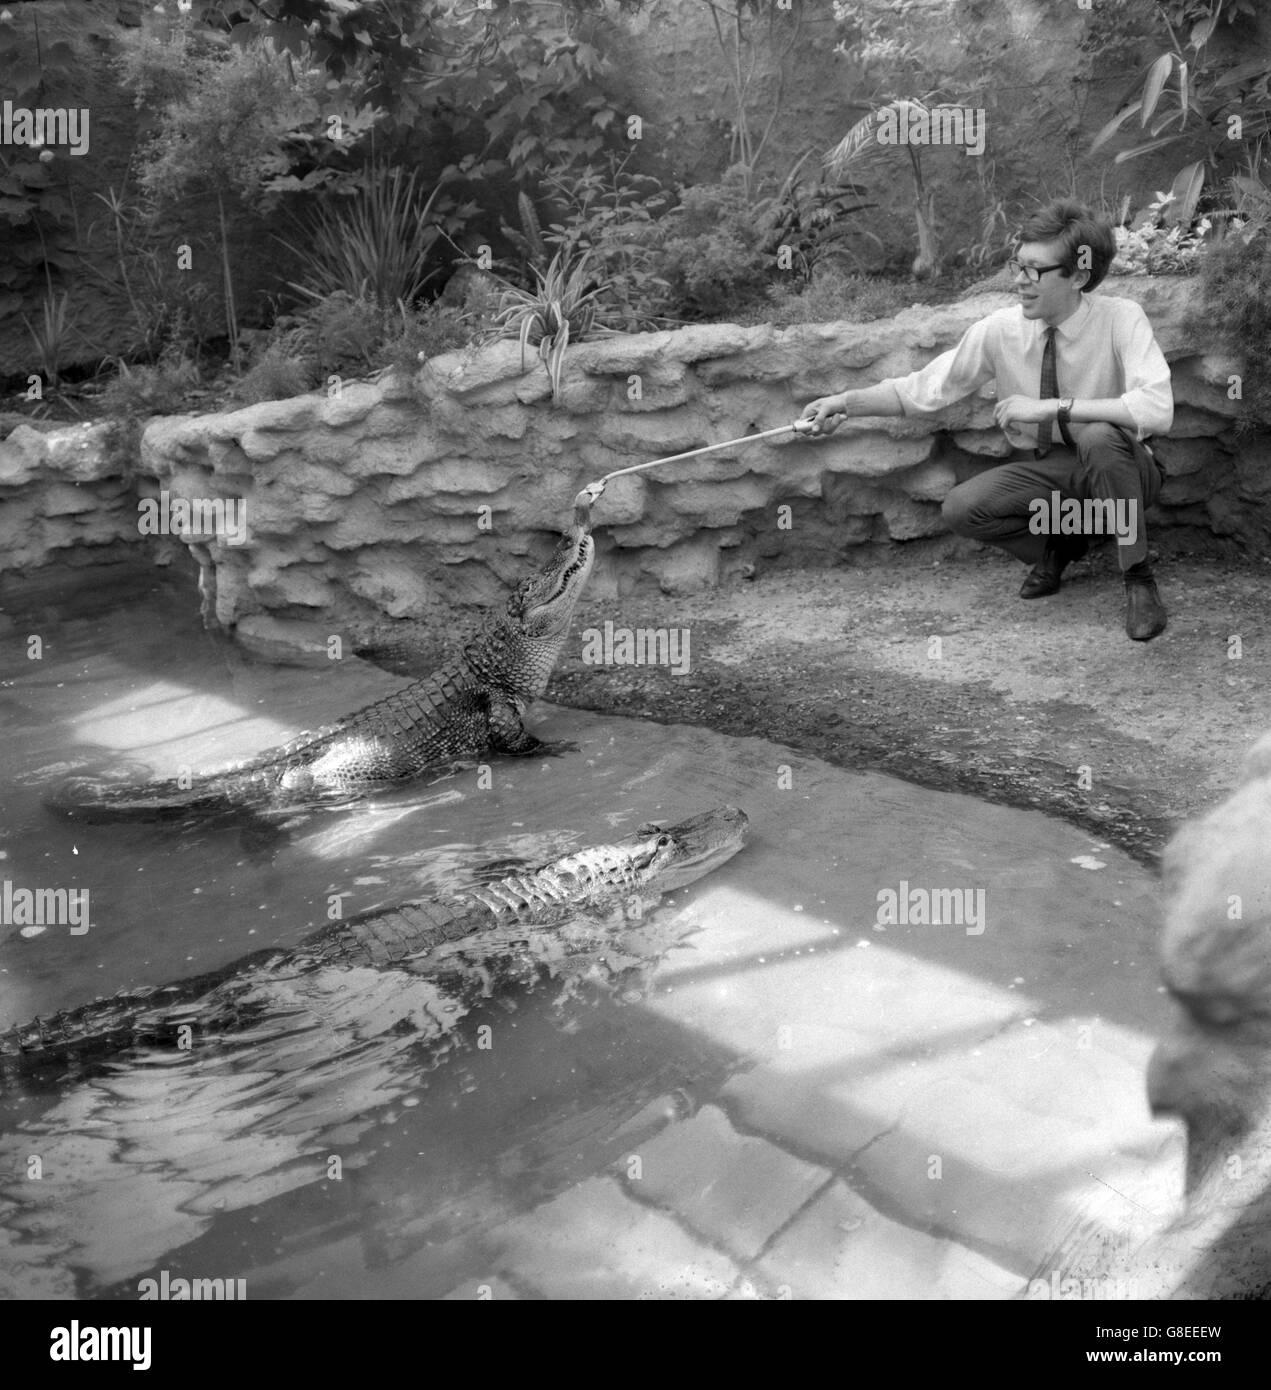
pixel 950 377
pixel 1148 395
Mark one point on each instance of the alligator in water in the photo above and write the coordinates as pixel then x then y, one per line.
pixel 472 705
pixel 653 861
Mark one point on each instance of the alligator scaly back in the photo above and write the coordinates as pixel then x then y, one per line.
pixel 471 706
pixel 649 863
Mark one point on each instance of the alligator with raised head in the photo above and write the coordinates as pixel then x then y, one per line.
pixel 655 860
pixel 472 705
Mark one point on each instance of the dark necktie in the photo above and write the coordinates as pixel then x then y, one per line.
pixel 1049 392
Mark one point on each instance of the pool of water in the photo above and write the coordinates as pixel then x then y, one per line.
pixel 334 1152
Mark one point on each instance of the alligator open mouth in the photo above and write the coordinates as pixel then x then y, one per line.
pixel 585 546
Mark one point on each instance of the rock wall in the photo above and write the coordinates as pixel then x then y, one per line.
pixel 410 498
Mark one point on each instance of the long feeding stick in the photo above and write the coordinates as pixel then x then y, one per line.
pixel 593 490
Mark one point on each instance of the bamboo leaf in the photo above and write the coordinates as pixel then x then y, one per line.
pixel 1109 130
pixel 1185 192
pixel 1156 76
pixel 1144 149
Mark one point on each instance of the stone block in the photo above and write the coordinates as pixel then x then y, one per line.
pixel 299 585
pixel 594 1242
pixel 716 504
pixel 908 520
pixel 840 1247
pixel 621 356
pixel 1181 457
pixel 654 532
pixel 261 446
pixel 654 436
pixel 584 395
pixel 931 482
pixel 22 457
pixel 292 471
pixel 354 402
pixel 735 1190
pixel 689 567
pixel 81 453
pixel 1191 423
pixel 286 642
pixel 63 499
pixel 395 585
pixel 871 453
pixel 990 441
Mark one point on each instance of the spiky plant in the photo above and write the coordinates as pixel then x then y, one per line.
pixel 563 306
pixel 50 335
pixel 373 246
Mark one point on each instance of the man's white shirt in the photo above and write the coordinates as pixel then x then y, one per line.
pixel 1104 349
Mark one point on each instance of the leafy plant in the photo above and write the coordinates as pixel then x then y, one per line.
pixel 159 389
pixel 810 218
pixel 838 297
pixel 375 245
pixel 612 215
pixel 1234 312
pixel 1155 245
pixel 861 141
pixel 37 217
pixel 1214 101
pixel 275 376
pixel 737 34
pixel 427 332
pixel 169 307
pixel 50 336
pixel 221 132
pixel 712 251
pixel 561 307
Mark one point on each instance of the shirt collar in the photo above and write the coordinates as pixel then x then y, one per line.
pixel 1075 321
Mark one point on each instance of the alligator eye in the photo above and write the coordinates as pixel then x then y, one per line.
pixel 663 841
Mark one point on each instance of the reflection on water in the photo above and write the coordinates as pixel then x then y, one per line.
pixel 412 1135
pixel 347 1106
pixel 387 1111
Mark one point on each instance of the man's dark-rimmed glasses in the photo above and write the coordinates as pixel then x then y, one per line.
pixel 1033 272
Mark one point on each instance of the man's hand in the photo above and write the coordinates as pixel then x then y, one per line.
pixel 827 413
pixel 1024 410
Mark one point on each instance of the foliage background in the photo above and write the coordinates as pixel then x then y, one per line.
pixel 524 111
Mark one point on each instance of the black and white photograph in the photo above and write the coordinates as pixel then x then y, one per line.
pixel 635 662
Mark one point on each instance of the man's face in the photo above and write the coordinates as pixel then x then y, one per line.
pixel 1053 297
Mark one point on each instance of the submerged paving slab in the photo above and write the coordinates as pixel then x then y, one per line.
pixel 843 1248
pixel 977 1075
pixel 594 1242
pixel 735 1190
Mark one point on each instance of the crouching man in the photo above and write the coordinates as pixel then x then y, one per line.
pixel 1081 384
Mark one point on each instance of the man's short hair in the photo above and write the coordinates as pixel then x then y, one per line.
pixel 1077 227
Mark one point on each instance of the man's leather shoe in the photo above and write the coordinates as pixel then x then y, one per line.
pixel 1144 611
pixel 1043 578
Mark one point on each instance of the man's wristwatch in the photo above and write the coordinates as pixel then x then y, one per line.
pixel 1062 420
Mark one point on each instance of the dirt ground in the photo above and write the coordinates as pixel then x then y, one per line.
pixel 1043 704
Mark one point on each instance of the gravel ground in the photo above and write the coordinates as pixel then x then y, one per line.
pixel 1011 704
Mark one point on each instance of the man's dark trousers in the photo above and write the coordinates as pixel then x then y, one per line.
pixel 1108 463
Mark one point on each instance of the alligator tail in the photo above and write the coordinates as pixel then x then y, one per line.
pixel 97 800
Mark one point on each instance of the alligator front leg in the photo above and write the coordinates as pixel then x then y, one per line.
pixel 508 733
